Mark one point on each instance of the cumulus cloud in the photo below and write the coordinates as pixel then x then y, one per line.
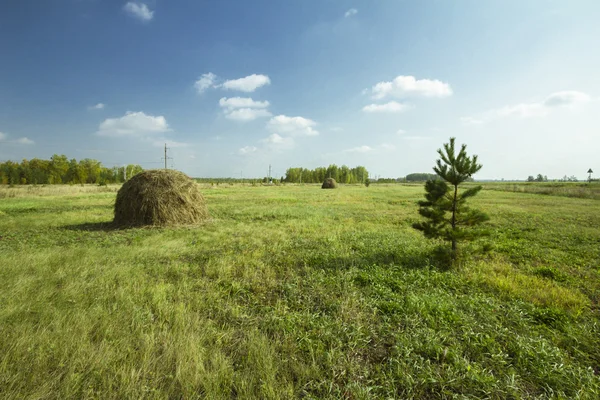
pixel 241 102
pixel 247 150
pixel 406 86
pixel 350 12
pixel 139 10
pixel 276 141
pixel 133 124
pixel 565 99
pixel 206 81
pixel 244 108
pixel 247 114
pixel 292 126
pixel 247 84
pixel 98 106
pixel 391 107
pixel 23 140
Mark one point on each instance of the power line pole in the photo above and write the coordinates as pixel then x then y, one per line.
pixel 167 158
pixel 269 173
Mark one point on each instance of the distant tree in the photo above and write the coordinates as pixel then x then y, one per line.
pixel 530 178
pixel 448 216
pixel 342 174
pixel 59 165
pixel 539 178
pixel 590 172
pixel 421 177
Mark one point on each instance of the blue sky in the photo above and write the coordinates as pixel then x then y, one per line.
pixel 233 86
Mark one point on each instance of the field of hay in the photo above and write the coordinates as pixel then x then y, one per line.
pixel 296 292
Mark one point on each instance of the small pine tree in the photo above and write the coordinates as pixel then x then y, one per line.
pixel 448 216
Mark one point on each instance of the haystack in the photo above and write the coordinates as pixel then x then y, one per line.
pixel 329 183
pixel 159 197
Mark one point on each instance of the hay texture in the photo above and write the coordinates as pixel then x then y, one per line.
pixel 159 197
pixel 329 183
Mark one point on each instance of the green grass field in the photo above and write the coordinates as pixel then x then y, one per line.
pixel 296 292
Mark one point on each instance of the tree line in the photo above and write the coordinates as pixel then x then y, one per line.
pixel 59 169
pixel 342 174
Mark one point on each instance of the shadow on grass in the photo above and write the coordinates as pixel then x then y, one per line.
pixel 410 260
pixel 94 227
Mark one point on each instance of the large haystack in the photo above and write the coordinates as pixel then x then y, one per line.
pixel 159 197
pixel 329 183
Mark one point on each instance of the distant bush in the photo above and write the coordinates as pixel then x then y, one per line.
pixel 421 177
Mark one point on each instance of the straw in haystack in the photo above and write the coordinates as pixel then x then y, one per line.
pixel 159 197
pixel 329 183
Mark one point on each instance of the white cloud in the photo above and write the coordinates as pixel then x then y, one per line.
pixel 292 126
pixel 248 84
pixel 279 142
pixel 133 124
pixel 24 140
pixel 565 99
pixel 405 86
pixel 241 102
pixel 98 106
pixel 391 107
pixel 247 114
pixel 350 12
pixel 205 81
pixel 400 132
pixel 247 150
pixel 359 149
pixel 139 10
pixel 244 108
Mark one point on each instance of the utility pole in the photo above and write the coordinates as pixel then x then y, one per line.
pixel 167 158
pixel 269 174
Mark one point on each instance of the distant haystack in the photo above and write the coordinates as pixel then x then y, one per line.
pixel 329 183
pixel 159 197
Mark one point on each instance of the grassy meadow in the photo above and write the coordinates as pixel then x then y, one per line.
pixel 296 292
